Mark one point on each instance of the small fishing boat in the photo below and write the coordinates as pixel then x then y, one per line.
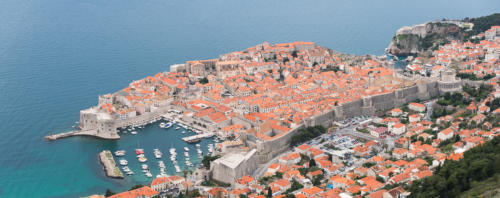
pixel 142 159
pixel 120 153
pixel 133 132
pixel 139 151
pixel 123 162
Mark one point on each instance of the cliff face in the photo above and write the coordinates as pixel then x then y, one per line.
pixel 416 39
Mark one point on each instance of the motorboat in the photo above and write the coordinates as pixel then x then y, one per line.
pixel 139 151
pixel 177 169
pixel 186 148
pixel 133 132
pixel 158 154
pixel 162 125
pixel 144 167
pixel 186 154
pixel 120 153
pixel 148 174
pixel 177 128
pixel 123 162
pixel 142 159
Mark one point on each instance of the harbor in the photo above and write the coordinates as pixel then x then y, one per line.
pixel 159 149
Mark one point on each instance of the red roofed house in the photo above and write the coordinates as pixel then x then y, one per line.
pixel 396 112
pixel 445 134
pixel 398 129
pixel 416 107
pixel 312 191
pixel 143 192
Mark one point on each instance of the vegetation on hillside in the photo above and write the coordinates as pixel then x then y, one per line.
pixel 484 23
pixel 455 177
pixel 474 77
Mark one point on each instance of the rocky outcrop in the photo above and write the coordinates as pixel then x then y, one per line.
pixel 418 38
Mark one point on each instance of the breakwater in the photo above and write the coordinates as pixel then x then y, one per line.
pixel 92 133
pixel 109 164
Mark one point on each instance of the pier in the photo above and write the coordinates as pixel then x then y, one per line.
pixel 82 133
pixel 199 136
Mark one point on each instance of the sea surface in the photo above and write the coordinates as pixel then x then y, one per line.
pixel 57 56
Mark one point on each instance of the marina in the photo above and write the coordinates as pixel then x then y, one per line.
pixel 150 160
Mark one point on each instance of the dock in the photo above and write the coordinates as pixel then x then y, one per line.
pixel 82 133
pixel 199 136
pixel 110 167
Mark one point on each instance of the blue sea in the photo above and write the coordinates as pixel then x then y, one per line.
pixel 56 56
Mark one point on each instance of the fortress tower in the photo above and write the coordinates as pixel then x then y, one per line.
pixel 448 82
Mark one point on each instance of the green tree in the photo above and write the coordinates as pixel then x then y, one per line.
pixel 269 192
pixel 312 163
pixel 203 80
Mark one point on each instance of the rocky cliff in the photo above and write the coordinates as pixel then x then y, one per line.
pixel 416 39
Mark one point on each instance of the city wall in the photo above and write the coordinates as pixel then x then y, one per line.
pixel 365 106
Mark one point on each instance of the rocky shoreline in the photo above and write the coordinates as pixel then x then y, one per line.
pixel 109 165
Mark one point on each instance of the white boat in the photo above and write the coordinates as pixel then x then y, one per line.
pixel 123 162
pixel 186 148
pixel 158 154
pixel 142 159
pixel 120 153
pixel 177 169
pixel 126 168
pixel 148 174
pixel 183 132
pixel 129 172
pixel 144 166
pixel 133 132
pixel 162 125
pixel 198 145
pixel 186 154
pixel 177 128
pixel 200 152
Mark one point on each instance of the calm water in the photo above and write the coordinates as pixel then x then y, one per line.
pixel 56 56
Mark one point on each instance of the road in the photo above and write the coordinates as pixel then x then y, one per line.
pixel 428 113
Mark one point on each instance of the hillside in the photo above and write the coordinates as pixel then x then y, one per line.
pixel 489 188
pixel 480 164
pixel 413 40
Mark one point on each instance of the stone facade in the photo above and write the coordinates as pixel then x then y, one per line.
pixel 234 165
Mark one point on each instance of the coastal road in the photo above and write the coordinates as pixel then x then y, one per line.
pixel 428 113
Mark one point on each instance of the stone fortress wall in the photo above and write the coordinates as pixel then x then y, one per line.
pixel 365 106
